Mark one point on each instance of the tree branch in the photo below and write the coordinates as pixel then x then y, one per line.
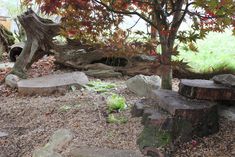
pixel 126 13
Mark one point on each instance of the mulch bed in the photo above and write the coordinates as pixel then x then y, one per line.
pixel 30 121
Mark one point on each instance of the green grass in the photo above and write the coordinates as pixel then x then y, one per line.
pixel 215 53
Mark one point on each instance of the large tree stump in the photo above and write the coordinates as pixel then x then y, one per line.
pixel 206 90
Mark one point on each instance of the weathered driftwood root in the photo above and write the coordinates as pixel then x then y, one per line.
pixel 40 33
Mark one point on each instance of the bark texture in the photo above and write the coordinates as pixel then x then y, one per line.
pixel 39 33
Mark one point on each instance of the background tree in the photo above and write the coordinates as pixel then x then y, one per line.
pixel 88 20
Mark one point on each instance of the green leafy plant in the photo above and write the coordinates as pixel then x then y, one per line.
pixel 116 103
pixel 100 86
pixel 120 120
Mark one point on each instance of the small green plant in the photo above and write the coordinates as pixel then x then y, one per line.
pixel 119 120
pixel 73 88
pixel 100 86
pixel 116 103
pixel 65 108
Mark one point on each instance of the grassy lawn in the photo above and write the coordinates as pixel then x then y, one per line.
pixel 216 53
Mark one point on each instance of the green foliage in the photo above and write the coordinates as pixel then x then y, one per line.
pixel 100 86
pixel 214 54
pixel 119 120
pixel 116 103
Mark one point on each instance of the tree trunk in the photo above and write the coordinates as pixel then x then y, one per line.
pixel 166 62
pixel 167 77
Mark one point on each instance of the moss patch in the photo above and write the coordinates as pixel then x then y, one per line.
pixel 153 136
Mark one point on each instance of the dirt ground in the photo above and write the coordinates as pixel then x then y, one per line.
pixel 30 121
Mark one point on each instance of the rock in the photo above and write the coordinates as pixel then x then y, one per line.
pixel 225 79
pixel 98 66
pixel 103 73
pixel 144 58
pixel 227 112
pixel 46 153
pixel 143 85
pixel 11 80
pixel 103 152
pixel 3 134
pixel 58 140
pixel 48 85
pixel 205 90
pixel 6 65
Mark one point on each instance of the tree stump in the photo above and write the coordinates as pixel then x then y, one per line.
pixel 205 90
pixel 39 33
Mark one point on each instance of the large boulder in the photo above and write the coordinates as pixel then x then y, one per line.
pixel 143 85
pixel 225 79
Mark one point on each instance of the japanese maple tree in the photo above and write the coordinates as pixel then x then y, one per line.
pixel 90 19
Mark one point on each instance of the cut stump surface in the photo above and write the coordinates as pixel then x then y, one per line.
pixel 205 90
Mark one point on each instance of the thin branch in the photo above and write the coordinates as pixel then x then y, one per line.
pixel 126 12
pixel 134 24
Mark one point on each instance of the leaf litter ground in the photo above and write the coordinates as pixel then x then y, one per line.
pixel 30 121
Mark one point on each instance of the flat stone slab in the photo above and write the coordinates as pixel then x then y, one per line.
pixel 47 85
pixel 205 90
pixel 103 152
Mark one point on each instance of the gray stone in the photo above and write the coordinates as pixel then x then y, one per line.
pixel 46 153
pixel 225 79
pixel 47 85
pixel 143 85
pixel 227 112
pixel 3 134
pixel 11 80
pixel 103 152
pixel 103 73
pixel 59 139
pixel 98 66
pixel 6 65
